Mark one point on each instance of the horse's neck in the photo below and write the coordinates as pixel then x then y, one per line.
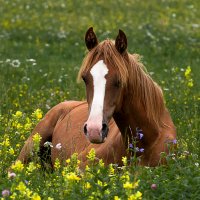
pixel 131 116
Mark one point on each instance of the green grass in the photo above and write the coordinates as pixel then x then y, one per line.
pixel 165 33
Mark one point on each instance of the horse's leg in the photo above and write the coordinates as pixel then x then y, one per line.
pixel 45 128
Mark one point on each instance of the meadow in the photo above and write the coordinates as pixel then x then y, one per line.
pixel 41 50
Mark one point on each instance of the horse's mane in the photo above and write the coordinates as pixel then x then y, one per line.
pixel 133 74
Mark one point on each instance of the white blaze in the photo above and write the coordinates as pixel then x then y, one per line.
pixel 98 71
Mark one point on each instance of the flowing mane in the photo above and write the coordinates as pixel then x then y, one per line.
pixel 133 74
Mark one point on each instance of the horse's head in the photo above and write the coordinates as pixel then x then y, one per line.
pixel 104 79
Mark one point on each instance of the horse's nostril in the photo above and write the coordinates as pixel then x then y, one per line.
pixel 104 130
pixel 104 126
pixel 85 129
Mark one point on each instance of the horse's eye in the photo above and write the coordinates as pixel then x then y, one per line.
pixel 117 84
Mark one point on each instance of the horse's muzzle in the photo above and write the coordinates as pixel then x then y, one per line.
pixel 96 134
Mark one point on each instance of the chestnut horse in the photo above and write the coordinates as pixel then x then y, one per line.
pixel 121 96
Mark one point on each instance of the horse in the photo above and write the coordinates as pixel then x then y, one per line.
pixel 122 98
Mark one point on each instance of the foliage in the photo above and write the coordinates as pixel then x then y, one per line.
pixel 41 50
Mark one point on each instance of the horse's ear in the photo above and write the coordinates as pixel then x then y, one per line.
pixel 90 39
pixel 121 42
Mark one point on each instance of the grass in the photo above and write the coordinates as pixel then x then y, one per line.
pixel 41 50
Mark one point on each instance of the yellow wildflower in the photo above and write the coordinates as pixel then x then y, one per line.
pixel 27 126
pixel 6 142
pixel 87 168
pixel 36 197
pixel 17 166
pixel 87 185
pixel 101 163
pixel 187 72
pixel 100 183
pixel 21 187
pixel 57 164
pixel 36 138
pixel 50 198
pixel 18 114
pixel 129 185
pixel 116 198
pixel 72 177
pixel 11 151
pixel 126 176
pixel 91 155
pixel 111 169
pixel 190 83
pixel 19 126
pixel 37 114
pixel 136 196
pixel 31 167
pixel 124 160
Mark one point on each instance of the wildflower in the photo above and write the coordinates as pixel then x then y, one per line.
pixel 87 185
pixel 21 187
pixel 174 141
pixel 37 114
pixel 36 138
pixel 101 163
pixel 57 164
pixel 91 155
pixel 18 114
pixel 116 198
pixel 139 133
pixel 190 83
pixel 137 149
pixel 72 177
pixel 15 63
pixel 17 166
pixel 131 146
pixel 50 198
pixel 31 167
pixel 129 185
pixel 187 72
pixel 5 193
pixel 141 136
pixel 30 60
pixel 58 146
pixel 137 195
pixel 36 197
pixel 68 161
pixel 142 150
pixel 124 160
pixel 19 126
pixel 6 142
pixel 111 169
pixel 26 182
pixel 27 126
pixel 196 164
pixel 48 144
pixel 153 186
pixel 11 151
pixel 11 175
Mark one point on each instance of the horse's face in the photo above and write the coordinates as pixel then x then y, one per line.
pixel 104 91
